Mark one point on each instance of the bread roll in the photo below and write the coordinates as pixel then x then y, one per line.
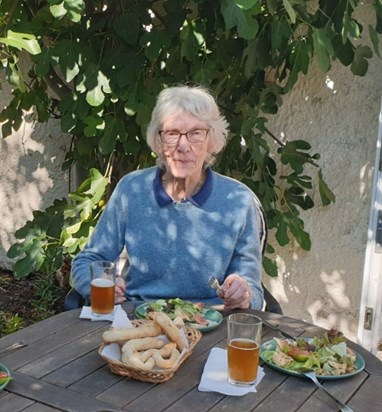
pixel 169 329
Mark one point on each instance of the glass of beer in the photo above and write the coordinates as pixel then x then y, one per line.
pixel 102 287
pixel 243 348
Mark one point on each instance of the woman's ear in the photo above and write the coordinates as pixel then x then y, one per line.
pixel 158 148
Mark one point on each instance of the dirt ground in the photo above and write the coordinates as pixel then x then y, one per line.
pixel 16 296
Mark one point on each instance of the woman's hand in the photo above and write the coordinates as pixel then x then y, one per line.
pixel 120 286
pixel 235 292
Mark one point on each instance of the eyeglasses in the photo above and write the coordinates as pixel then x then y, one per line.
pixel 171 137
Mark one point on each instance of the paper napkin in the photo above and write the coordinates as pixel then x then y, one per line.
pixel 214 377
pixel 86 313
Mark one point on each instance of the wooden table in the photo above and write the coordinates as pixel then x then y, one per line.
pixel 61 369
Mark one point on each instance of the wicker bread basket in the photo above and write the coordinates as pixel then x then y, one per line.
pixel 154 375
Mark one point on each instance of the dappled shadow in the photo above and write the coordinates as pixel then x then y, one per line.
pixel 30 175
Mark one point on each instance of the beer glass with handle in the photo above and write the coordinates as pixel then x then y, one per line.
pixel 243 347
pixel 102 287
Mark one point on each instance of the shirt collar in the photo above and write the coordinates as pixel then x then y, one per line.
pixel 198 199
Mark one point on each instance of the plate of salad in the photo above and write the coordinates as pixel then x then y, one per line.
pixel 192 314
pixel 328 355
pixel 5 376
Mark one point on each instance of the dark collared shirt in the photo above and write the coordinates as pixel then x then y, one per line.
pixel 198 199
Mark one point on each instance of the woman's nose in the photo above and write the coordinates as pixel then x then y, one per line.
pixel 183 143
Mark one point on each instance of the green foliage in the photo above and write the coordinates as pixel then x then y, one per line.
pixel 60 231
pixel 9 323
pixel 46 292
pixel 106 61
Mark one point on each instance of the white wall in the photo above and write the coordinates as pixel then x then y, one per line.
pixel 322 286
pixel 30 174
pixel 338 115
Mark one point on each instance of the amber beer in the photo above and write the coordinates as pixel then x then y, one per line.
pixel 243 360
pixel 102 296
pixel 243 347
pixel 102 287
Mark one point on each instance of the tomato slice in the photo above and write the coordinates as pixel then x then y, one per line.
pixel 200 319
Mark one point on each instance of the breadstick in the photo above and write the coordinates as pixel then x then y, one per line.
pixel 165 351
pixel 136 345
pixel 130 352
pixel 132 358
pixel 169 329
pixel 166 363
pixel 123 334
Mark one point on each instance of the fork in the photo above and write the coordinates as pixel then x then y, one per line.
pixel 214 283
pixel 312 375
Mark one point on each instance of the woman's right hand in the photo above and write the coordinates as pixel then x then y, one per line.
pixel 235 292
pixel 120 287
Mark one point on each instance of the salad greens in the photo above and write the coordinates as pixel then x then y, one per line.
pixel 327 355
pixel 181 310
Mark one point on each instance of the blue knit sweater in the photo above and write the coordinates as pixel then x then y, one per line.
pixel 174 248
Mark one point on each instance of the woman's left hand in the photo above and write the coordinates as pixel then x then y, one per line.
pixel 235 292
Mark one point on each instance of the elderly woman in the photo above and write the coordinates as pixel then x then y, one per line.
pixel 179 221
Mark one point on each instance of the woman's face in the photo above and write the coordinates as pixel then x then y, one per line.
pixel 185 159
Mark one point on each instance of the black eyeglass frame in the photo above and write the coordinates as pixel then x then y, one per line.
pixel 160 132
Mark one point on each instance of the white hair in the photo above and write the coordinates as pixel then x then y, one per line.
pixel 196 101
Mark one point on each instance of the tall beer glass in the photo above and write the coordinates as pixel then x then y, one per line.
pixel 102 287
pixel 243 347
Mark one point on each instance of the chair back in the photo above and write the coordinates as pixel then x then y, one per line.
pixel 271 303
pixel 262 224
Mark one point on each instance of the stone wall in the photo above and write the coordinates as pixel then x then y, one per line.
pixel 30 173
pixel 338 115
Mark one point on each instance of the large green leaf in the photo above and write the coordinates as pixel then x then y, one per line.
pixel 299 60
pixel 323 47
pixel 290 10
pixel 127 26
pixel 270 266
pixel 22 41
pixel 378 9
pixel 93 125
pixel 243 19
pixel 344 52
pixel 360 64
pixel 327 196
pixel 246 4
pixel 282 230
pixel 280 34
pixel 272 6
pixel 97 183
pixel 189 44
pixel 96 96
pixel 298 196
pixel 292 153
pixel 31 262
pixel 114 130
pixel 296 226
pixel 375 40
pixel 71 8
pixel 154 44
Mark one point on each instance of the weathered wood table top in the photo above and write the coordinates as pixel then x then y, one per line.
pixel 61 370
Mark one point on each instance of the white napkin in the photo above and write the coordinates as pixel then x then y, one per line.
pixel 86 313
pixel 214 377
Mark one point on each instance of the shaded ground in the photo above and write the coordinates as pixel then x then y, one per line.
pixel 18 297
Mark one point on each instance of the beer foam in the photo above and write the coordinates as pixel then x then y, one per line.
pixel 102 283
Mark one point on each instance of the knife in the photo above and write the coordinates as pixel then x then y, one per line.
pixel 277 329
